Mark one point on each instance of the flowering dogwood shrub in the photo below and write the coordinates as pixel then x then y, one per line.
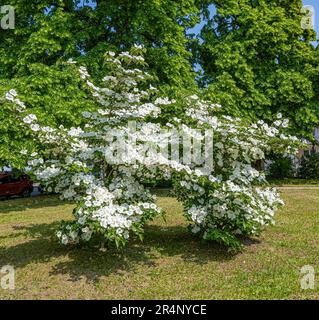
pixel 102 166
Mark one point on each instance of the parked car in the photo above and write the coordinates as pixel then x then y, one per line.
pixel 15 185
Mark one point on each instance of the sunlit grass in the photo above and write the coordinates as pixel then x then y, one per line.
pixel 169 264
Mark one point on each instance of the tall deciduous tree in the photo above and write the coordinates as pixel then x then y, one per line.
pixel 259 61
pixel 49 32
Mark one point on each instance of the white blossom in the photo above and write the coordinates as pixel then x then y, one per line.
pixel 103 165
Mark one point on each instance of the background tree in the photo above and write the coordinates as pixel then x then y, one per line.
pixel 49 32
pixel 258 61
pixel 256 58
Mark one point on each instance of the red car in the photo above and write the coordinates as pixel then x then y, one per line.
pixel 13 185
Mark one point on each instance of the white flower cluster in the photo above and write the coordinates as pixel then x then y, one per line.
pixel 86 164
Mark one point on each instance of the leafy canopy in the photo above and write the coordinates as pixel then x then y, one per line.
pixel 258 61
pixel 49 32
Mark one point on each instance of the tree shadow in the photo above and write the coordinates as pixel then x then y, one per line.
pixel 91 263
pixel 22 204
pixel 45 200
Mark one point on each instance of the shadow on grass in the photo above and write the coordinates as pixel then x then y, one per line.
pixel 42 201
pixel 21 204
pixel 91 263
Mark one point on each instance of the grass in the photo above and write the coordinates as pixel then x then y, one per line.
pixel 294 181
pixel 169 264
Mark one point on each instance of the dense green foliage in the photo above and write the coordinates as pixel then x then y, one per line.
pixel 258 61
pixel 53 94
pixel 49 32
pixel 310 167
pixel 69 28
pixel 281 167
pixel 256 58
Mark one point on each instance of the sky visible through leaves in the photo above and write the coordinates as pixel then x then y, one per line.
pixel 315 4
pixel 196 30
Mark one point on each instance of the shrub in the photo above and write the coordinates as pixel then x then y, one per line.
pixel 86 165
pixel 309 168
pixel 281 167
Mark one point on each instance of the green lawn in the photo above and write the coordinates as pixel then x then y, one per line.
pixel 169 264
pixel 294 181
